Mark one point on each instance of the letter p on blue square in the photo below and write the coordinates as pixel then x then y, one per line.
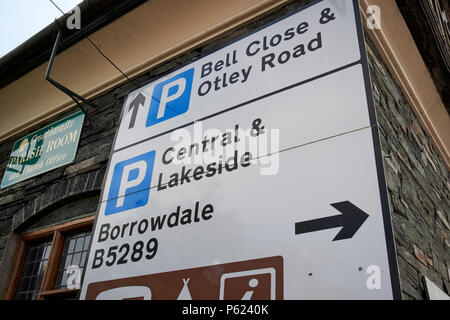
pixel 170 98
pixel 130 183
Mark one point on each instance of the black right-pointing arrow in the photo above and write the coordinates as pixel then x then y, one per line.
pixel 350 219
pixel 134 105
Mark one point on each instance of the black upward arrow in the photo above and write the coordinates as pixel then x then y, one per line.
pixel 351 219
pixel 139 100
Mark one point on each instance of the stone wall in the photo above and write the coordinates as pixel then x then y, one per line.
pixel 418 187
pixel 417 179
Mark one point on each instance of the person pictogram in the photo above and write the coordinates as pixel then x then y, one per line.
pixel 185 294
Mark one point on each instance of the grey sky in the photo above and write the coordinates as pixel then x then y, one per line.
pixel 21 19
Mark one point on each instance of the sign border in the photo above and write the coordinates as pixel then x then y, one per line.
pixel 387 223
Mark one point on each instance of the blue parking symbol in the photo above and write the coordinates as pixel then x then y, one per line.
pixel 170 98
pixel 130 183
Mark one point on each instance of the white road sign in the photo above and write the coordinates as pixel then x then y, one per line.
pixel 254 172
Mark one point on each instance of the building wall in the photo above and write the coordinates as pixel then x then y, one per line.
pixel 418 187
pixel 417 179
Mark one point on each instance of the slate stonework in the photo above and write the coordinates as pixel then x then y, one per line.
pixel 418 187
pixel 417 179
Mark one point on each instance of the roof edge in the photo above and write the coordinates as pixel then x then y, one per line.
pixel 95 14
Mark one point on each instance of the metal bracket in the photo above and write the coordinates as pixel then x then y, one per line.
pixel 74 96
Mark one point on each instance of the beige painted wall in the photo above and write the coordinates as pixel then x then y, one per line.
pixel 398 49
pixel 146 36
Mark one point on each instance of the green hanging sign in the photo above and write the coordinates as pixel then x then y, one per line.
pixel 43 150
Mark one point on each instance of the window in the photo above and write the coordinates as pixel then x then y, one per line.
pixel 49 262
pixel 74 255
pixel 33 271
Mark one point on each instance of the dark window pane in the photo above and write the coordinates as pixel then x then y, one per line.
pixel 23 286
pixel 35 265
pixel 71 245
pixel 79 245
pixel 68 260
pixel 40 251
pixel 28 270
pixel 76 259
pixel 63 281
pixel 83 258
pixel 32 253
pixel 42 267
pixel 34 284
pixel 47 253
pixel 87 240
